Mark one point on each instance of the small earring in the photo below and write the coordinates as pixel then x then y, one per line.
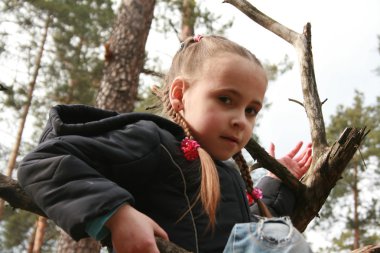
pixel 177 106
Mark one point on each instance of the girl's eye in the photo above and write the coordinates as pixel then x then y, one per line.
pixel 225 100
pixel 251 111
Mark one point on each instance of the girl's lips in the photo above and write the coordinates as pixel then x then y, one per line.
pixel 231 139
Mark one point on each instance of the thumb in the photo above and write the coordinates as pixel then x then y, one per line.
pixel 158 231
pixel 272 150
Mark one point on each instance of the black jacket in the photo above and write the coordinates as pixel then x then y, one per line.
pixel 90 161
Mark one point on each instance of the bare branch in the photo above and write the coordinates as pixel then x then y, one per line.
pixel 296 101
pixel 11 192
pixel 270 163
pixel 265 21
pixel 152 73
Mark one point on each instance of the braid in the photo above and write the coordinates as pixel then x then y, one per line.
pixel 244 171
pixel 210 188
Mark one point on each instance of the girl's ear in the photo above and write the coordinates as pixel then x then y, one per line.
pixel 177 89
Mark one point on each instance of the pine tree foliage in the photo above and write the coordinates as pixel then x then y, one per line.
pixel 168 14
pixel 73 62
pixel 80 29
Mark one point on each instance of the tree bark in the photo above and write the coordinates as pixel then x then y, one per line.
pixel 314 188
pixel 125 56
pixel 67 245
pixel 368 249
pixel 188 19
pixel 40 234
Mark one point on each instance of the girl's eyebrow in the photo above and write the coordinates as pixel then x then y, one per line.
pixel 239 95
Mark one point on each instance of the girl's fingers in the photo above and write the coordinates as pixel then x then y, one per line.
pixel 305 167
pixel 304 153
pixel 292 153
pixel 305 156
pixel 308 162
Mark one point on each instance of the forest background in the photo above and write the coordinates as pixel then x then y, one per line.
pixel 346 56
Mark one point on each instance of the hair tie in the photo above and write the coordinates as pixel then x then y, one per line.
pixel 189 148
pixel 197 38
pixel 254 195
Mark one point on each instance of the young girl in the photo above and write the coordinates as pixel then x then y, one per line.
pixel 135 176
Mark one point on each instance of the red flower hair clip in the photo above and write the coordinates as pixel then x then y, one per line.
pixel 254 195
pixel 189 148
pixel 197 38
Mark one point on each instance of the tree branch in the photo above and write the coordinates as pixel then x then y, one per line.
pixel 12 192
pixel 266 161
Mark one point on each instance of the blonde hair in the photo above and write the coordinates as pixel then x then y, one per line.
pixel 188 62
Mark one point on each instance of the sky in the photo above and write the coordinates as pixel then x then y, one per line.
pixel 345 50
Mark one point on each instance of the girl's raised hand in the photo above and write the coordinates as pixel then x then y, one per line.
pixel 133 231
pixel 296 164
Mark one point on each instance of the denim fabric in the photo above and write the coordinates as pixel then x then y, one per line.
pixel 268 235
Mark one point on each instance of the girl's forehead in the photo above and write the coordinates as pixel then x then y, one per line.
pixel 227 59
pixel 233 73
pixel 227 64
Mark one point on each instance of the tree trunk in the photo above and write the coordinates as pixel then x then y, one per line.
pixel 125 56
pixel 356 206
pixel 188 19
pixel 40 234
pixel 124 61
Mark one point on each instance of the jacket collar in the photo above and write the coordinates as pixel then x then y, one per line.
pixel 88 121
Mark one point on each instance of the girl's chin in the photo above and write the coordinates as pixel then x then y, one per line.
pixel 223 157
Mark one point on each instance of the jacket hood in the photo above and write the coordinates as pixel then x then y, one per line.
pixel 86 120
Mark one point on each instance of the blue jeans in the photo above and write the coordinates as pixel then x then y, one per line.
pixel 268 235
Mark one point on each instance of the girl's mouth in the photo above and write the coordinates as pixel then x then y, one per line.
pixel 231 139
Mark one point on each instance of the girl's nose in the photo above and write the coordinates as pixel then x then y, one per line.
pixel 239 121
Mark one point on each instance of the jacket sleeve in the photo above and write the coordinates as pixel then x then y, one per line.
pixel 75 179
pixel 279 199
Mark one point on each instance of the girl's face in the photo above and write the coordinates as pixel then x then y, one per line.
pixel 221 103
